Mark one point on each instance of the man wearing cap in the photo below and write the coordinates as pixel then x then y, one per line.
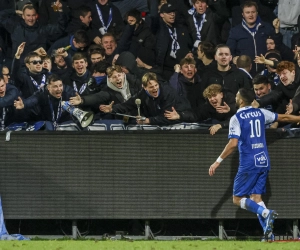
pixel 173 42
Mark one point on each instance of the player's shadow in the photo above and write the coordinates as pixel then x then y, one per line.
pixel 240 213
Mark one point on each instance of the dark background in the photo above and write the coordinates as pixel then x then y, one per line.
pixel 115 180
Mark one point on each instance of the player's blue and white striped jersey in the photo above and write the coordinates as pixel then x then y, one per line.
pixel 248 126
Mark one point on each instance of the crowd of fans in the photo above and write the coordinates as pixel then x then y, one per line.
pixel 183 60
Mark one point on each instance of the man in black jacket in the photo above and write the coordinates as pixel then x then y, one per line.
pixel 118 88
pixel 225 74
pixel 73 43
pixel 30 77
pixel 106 19
pixel 8 114
pixel 137 38
pixel 187 83
pixel 204 24
pixel 81 79
pixel 29 30
pixel 50 102
pixel 155 100
pixel 173 42
pixel 218 109
pixel 286 88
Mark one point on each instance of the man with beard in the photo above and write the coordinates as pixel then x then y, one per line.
pixel 226 75
pixel 155 100
pixel 117 89
pixel 81 79
pixel 218 109
pixel 50 102
pixel 187 83
pixel 247 132
pixel 30 77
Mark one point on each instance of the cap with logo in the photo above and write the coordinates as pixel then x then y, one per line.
pixel 167 8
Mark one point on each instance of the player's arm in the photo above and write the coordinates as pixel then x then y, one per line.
pixel 288 118
pixel 229 148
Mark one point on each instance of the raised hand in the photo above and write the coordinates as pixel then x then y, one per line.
pixel 19 103
pixel 223 109
pixel 260 59
pixel 20 50
pixel 106 108
pixel 41 51
pixel 177 68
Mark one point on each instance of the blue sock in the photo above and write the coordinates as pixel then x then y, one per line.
pixel 253 207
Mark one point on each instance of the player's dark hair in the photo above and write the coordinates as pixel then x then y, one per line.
pixel 247 95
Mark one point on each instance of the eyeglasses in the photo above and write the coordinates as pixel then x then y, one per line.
pixel 5 74
pixel 36 62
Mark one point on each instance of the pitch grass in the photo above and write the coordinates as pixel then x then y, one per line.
pixel 147 245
